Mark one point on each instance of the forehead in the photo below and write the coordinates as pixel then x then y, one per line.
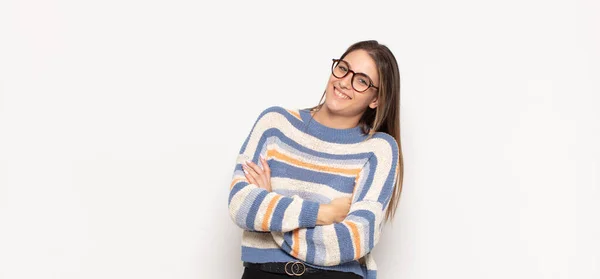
pixel 361 62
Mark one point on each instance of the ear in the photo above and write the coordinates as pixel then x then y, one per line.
pixel 374 103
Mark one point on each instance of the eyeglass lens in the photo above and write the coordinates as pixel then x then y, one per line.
pixel 360 82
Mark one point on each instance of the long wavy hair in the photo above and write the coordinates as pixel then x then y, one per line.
pixel 386 116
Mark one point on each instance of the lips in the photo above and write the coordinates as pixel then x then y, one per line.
pixel 336 90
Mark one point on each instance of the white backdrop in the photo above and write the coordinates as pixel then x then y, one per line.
pixel 120 122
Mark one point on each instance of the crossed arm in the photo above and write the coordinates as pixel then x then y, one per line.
pixel 305 229
pixel 252 206
pixel 354 236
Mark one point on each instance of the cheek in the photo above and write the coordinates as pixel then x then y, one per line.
pixel 331 80
pixel 330 83
pixel 363 99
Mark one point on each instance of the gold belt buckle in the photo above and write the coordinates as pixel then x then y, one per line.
pixel 295 268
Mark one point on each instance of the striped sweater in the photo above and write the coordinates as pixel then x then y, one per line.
pixel 313 164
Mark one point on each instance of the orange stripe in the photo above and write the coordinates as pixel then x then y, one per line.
pixel 265 224
pixel 235 181
pixel 276 154
pixel 296 247
pixel 295 113
pixel 355 238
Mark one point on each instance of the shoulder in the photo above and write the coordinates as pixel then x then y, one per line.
pixel 277 112
pixel 383 145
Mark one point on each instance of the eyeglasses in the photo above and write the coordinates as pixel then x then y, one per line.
pixel 360 81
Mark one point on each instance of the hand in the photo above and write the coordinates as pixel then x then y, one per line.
pixel 334 212
pixel 258 176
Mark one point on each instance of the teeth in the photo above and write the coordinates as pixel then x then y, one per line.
pixel 340 94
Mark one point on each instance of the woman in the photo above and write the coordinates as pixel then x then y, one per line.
pixel 313 187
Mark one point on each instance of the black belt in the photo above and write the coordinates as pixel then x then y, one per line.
pixel 292 268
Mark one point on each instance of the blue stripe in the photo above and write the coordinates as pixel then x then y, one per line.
pixel 298 125
pixel 320 252
pixel 238 167
pixel 242 214
pixel 388 187
pixel 351 135
pixel 305 195
pixel 260 146
pixel 244 145
pixel 254 209
pixel 344 242
pixel 369 274
pixel 365 237
pixel 308 214
pixel 370 217
pixel 258 255
pixel 288 149
pixel 274 132
pixel 276 220
pixel 262 139
pixel 261 255
pixel 367 184
pixel 338 182
pixel 285 139
pixel 310 252
pixel 291 118
pixel 236 188
pixel 287 242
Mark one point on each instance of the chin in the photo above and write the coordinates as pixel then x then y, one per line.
pixel 333 104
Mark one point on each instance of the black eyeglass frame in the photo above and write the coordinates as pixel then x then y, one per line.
pixel 353 74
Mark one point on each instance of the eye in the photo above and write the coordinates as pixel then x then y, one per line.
pixel 363 81
pixel 343 68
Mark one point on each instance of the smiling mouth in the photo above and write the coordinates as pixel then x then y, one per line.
pixel 340 94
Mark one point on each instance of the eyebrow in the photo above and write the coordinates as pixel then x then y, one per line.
pixel 350 66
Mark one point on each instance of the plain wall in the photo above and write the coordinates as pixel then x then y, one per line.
pixel 120 122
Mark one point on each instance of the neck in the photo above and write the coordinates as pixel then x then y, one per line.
pixel 335 121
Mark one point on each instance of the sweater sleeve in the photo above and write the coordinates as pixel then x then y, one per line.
pixel 357 234
pixel 256 209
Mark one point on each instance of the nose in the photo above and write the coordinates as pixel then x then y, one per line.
pixel 346 81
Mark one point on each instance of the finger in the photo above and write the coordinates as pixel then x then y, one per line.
pixel 266 180
pixel 254 166
pixel 266 169
pixel 247 174
pixel 260 173
pixel 250 173
pixel 265 166
pixel 250 179
pixel 249 168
